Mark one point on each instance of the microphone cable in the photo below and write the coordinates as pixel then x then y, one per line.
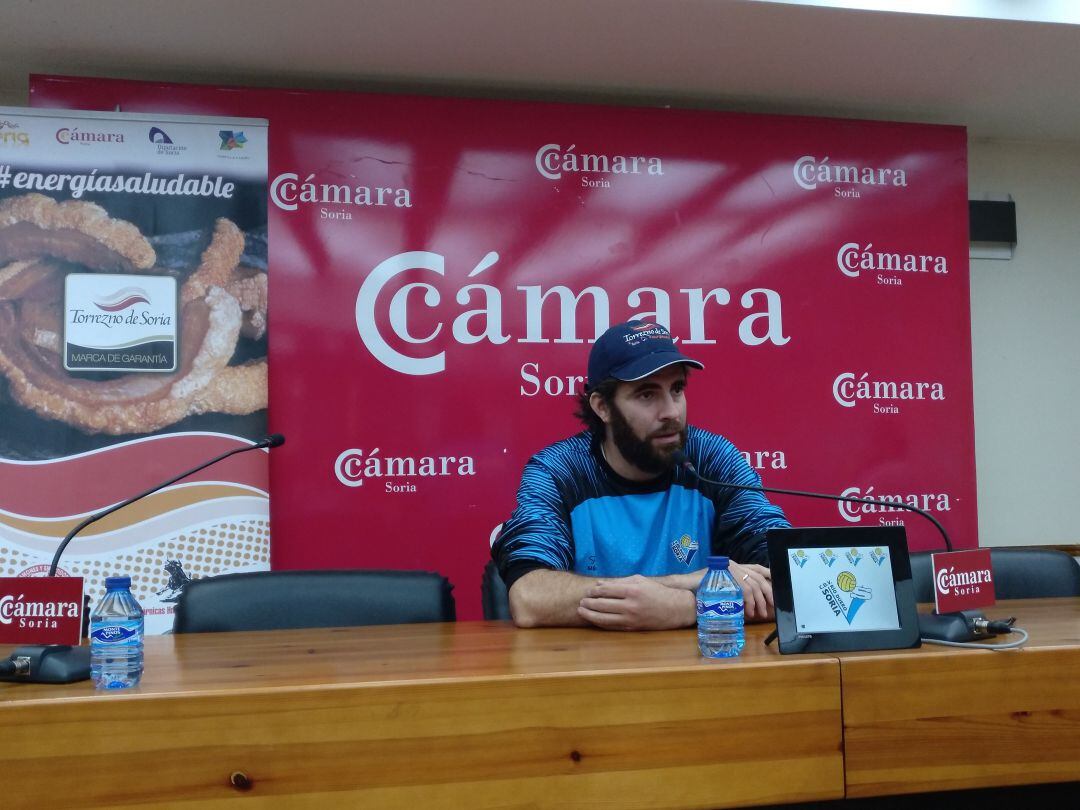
pixel 998 628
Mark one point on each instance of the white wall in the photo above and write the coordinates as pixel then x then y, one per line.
pixel 1025 328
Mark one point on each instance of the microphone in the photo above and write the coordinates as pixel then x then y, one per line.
pixel 680 459
pixel 273 440
pixel 57 663
pixel 932 626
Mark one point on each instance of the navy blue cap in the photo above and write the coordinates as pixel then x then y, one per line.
pixel 117 582
pixel 717 562
pixel 632 351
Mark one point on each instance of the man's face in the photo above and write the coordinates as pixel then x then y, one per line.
pixel 647 419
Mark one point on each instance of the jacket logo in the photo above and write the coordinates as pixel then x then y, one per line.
pixel 685 549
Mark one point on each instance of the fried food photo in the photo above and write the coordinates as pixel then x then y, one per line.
pixel 42 240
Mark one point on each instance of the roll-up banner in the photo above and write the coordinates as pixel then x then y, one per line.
pixel 133 291
pixel 441 267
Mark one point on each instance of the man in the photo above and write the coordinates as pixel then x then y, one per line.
pixel 608 530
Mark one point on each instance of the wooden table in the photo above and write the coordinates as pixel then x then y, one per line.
pixel 434 716
pixel 937 718
pixel 482 715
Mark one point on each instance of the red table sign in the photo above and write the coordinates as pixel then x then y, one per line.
pixel 963 580
pixel 41 610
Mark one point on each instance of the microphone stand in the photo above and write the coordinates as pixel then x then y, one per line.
pixel 821 496
pixel 935 626
pixel 270 441
pixel 62 663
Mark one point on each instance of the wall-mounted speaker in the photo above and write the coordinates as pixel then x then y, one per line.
pixel 992 221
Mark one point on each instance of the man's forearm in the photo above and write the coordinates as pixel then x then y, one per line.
pixel 688 582
pixel 545 598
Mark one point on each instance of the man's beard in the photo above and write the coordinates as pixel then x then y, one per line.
pixel 641 453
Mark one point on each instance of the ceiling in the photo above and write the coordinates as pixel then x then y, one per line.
pixel 1004 79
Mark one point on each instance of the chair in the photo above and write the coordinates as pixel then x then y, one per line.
pixel 494 598
pixel 281 600
pixel 1019 573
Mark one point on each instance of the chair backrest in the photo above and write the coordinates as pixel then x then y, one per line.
pixel 280 600
pixel 1019 573
pixel 494 599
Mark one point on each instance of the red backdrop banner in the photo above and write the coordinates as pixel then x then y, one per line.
pixel 441 266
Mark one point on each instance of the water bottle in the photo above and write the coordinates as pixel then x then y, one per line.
pixel 116 637
pixel 720 612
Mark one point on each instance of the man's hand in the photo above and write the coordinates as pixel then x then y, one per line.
pixel 756 584
pixel 638 603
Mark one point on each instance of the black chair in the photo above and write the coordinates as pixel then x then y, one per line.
pixel 1019 573
pixel 282 600
pixel 494 598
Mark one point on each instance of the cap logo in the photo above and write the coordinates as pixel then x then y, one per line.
pixel 647 331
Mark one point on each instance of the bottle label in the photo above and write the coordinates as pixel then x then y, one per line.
pixel 116 633
pixel 722 607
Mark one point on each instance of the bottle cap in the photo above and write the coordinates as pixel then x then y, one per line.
pixel 112 583
pixel 718 562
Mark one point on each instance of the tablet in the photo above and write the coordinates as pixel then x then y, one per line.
pixel 843 588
